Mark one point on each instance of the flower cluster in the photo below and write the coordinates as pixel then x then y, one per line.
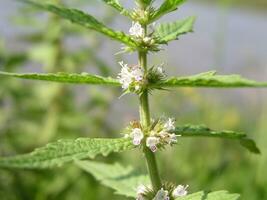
pixel 145 39
pixel 136 30
pixel 159 135
pixel 131 77
pixel 143 193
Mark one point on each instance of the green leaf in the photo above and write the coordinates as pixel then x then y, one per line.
pixel 83 78
pixel 85 20
pixel 218 195
pixel 250 145
pixel 204 131
pixel 209 79
pixel 124 180
pixel 170 31
pixel 166 7
pixel 116 4
pixel 63 151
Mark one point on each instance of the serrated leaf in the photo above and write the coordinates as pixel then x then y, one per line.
pixel 203 131
pixel 116 4
pixel 124 180
pixel 85 20
pixel 83 78
pixel 218 195
pixel 166 32
pixel 64 151
pixel 209 79
pixel 166 7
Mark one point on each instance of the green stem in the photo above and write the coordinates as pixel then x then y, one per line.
pixel 145 121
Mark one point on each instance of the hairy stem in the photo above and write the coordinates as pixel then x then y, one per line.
pixel 145 121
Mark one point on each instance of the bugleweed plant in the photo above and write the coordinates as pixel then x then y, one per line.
pixel 147 134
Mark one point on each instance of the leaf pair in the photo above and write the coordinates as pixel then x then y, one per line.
pixel 64 151
pixel 208 79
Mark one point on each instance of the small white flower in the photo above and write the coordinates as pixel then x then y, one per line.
pixel 152 143
pixel 162 195
pixel 137 30
pixel 160 71
pixel 169 124
pixel 137 136
pixel 137 73
pixel 172 139
pixel 129 75
pixel 147 39
pixel 141 189
pixel 125 76
pixel 180 191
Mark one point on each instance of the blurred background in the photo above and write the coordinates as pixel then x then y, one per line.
pixel 229 36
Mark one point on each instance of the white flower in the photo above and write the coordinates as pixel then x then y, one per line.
pixel 162 195
pixel 147 40
pixel 137 30
pixel 125 76
pixel 163 134
pixel 160 71
pixel 169 124
pixel 137 136
pixel 172 138
pixel 137 73
pixel 141 189
pixel 180 191
pixel 152 142
pixel 129 75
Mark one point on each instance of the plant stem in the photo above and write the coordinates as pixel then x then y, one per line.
pixel 145 121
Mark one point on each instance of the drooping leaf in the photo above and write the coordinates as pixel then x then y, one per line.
pixel 209 79
pixel 250 145
pixel 166 7
pixel 218 195
pixel 166 32
pixel 85 20
pixel 83 78
pixel 64 151
pixel 204 131
pixel 117 5
pixel 124 180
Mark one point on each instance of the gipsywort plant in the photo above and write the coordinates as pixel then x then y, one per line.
pixel 149 135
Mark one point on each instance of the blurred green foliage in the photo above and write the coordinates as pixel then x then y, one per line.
pixel 28 120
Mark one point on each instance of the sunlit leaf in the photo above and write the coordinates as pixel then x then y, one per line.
pixel 64 151
pixel 209 79
pixel 116 4
pixel 203 131
pixel 218 195
pixel 85 20
pixel 124 180
pixel 166 7
pixel 166 32
pixel 83 78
